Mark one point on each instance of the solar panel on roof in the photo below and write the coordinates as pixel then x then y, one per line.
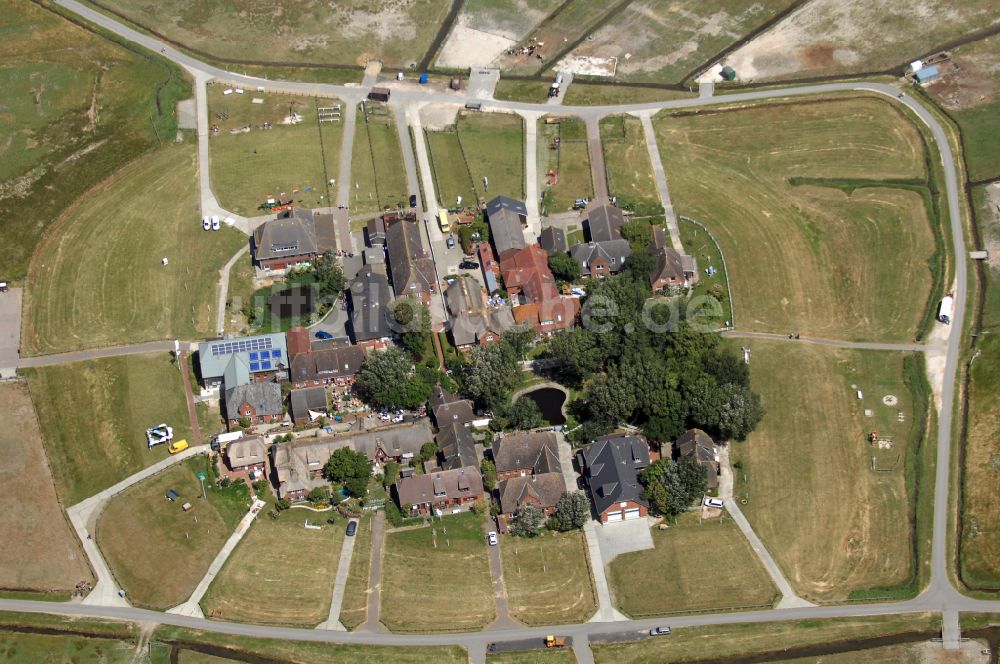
pixel 265 365
pixel 255 366
pixel 276 352
pixel 253 355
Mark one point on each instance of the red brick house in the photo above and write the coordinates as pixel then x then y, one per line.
pixel 439 493
pixel 336 366
pixel 530 283
pixel 248 453
pixel 542 490
pixel 526 453
pixel 260 403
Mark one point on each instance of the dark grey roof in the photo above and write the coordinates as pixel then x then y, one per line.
pixel 370 299
pixel 331 363
pixel 457 446
pixel 697 444
pixel 304 400
pixel 448 408
pixel 291 234
pixel 412 269
pixel 537 450
pixel 605 223
pixel 469 329
pixel 507 218
pixel 264 397
pixel 615 252
pixel 612 470
pixel 375 229
pixel 553 240
pixel 668 266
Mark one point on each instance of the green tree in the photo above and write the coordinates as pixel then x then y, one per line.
pixel 357 486
pixel 428 451
pixel 671 487
pixel 345 464
pixel 391 473
pixel 489 472
pixel 564 267
pixel 387 379
pixel 528 522
pixel 319 494
pixel 492 372
pixel 578 353
pixel 413 320
pixel 740 413
pixel 329 275
pixel 519 339
pixel 572 511
pixel 524 414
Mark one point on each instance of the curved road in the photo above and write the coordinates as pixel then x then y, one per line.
pixel 939 596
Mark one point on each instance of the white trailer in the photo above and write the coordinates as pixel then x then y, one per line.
pixel 220 441
pixel 945 309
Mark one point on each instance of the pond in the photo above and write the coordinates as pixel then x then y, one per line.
pixel 550 401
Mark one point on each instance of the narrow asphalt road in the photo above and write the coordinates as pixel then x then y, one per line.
pixel 373 622
pixel 938 596
pixel 98 353
pixel 598 171
pixel 854 345
pixel 660 176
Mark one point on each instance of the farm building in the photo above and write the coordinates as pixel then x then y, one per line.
pixel 553 240
pixel 926 74
pixel 370 297
pixel 411 267
pixel 472 322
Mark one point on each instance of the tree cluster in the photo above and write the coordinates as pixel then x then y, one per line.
pixel 350 468
pixel 413 320
pixel 492 372
pixel 387 379
pixel 671 486
pixel 528 522
pixel 644 364
pixel 572 511
pixel 329 275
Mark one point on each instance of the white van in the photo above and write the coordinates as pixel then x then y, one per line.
pixel 215 223
pixel 206 223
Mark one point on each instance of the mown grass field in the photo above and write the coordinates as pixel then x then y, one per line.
pixel 295 31
pixel 808 258
pixel 607 95
pixel 292 161
pixel 833 524
pixel 666 39
pixel 424 563
pixel 76 108
pixel 570 160
pixel 41 551
pixel 698 243
pixel 59 648
pixel 679 577
pixel 97 279
pixel 451 176
pixel 378 179
pixel 691 643
pixel 979 561
pixel 626 158
pixel 494 147
pixel 263 565
pixel 563 656
pixel 548 579
pixel 354 609
pixel 158 552
pixel 119 398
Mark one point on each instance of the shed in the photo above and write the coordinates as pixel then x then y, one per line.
pixel 379 94
pixel 926 74
pixel 172 495
pixel 456 83
pixel 728 73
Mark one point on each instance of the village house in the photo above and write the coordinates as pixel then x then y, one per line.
pixel 247 454
pixel 532 288
pixel 258 403
pixel 671 268
pixel 295 237
pixel 448 408
pixel 310 368
pixel 611 467
pixel 369 298
pixel 698 445
pixel 488 264
pixel 542 491
pixel 457 447
pixel 600 259
pixel 242 360
pixel 410 267
pixel 306 404
pixel 439 493
pixel 507 218
pixel 553 240
pixel 472 322
pixel 526 453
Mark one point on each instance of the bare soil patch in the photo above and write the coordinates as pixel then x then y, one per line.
pixel 40 550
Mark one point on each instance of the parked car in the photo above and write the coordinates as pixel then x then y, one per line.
pixel 352 528
pixel 323 334
pixel 206 223
pixel 451 241
pixel 177 446
pixel 714 502
pixel 468 265
pixel 491 537
pixel 215 223
pixel 659 631
pixel 413 200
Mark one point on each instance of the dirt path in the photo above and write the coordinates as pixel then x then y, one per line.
pixel 374 621
pixel 189 396
pixel 597 169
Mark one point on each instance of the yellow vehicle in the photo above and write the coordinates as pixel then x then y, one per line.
pixel 555 641
pixel 177 446
pixel 443 221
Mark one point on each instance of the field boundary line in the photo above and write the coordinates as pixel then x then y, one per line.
pixel 442 35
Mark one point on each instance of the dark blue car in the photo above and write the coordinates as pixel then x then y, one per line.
pixel 323 335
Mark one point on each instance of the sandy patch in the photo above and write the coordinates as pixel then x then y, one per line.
pixel 469 47
pixel 852 35
pixel 588 65
pixel 990 236
pixel 435 117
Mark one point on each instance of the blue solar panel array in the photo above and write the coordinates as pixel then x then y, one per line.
pixel 265 365
pixel 255 366
pixel 242 346
pixel 276 352
pixel 253 355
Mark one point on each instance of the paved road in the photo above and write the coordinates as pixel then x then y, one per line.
pixel 98 353
pixel 598 172
pixel 854 345
pixel 531 181
pixel 503 619
pixel 661 180
pixel 373 623
pixel 340 584
pixel 939 595
pixel 192 607
pixel 10 331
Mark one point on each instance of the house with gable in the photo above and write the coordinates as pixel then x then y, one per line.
pixel 611 466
